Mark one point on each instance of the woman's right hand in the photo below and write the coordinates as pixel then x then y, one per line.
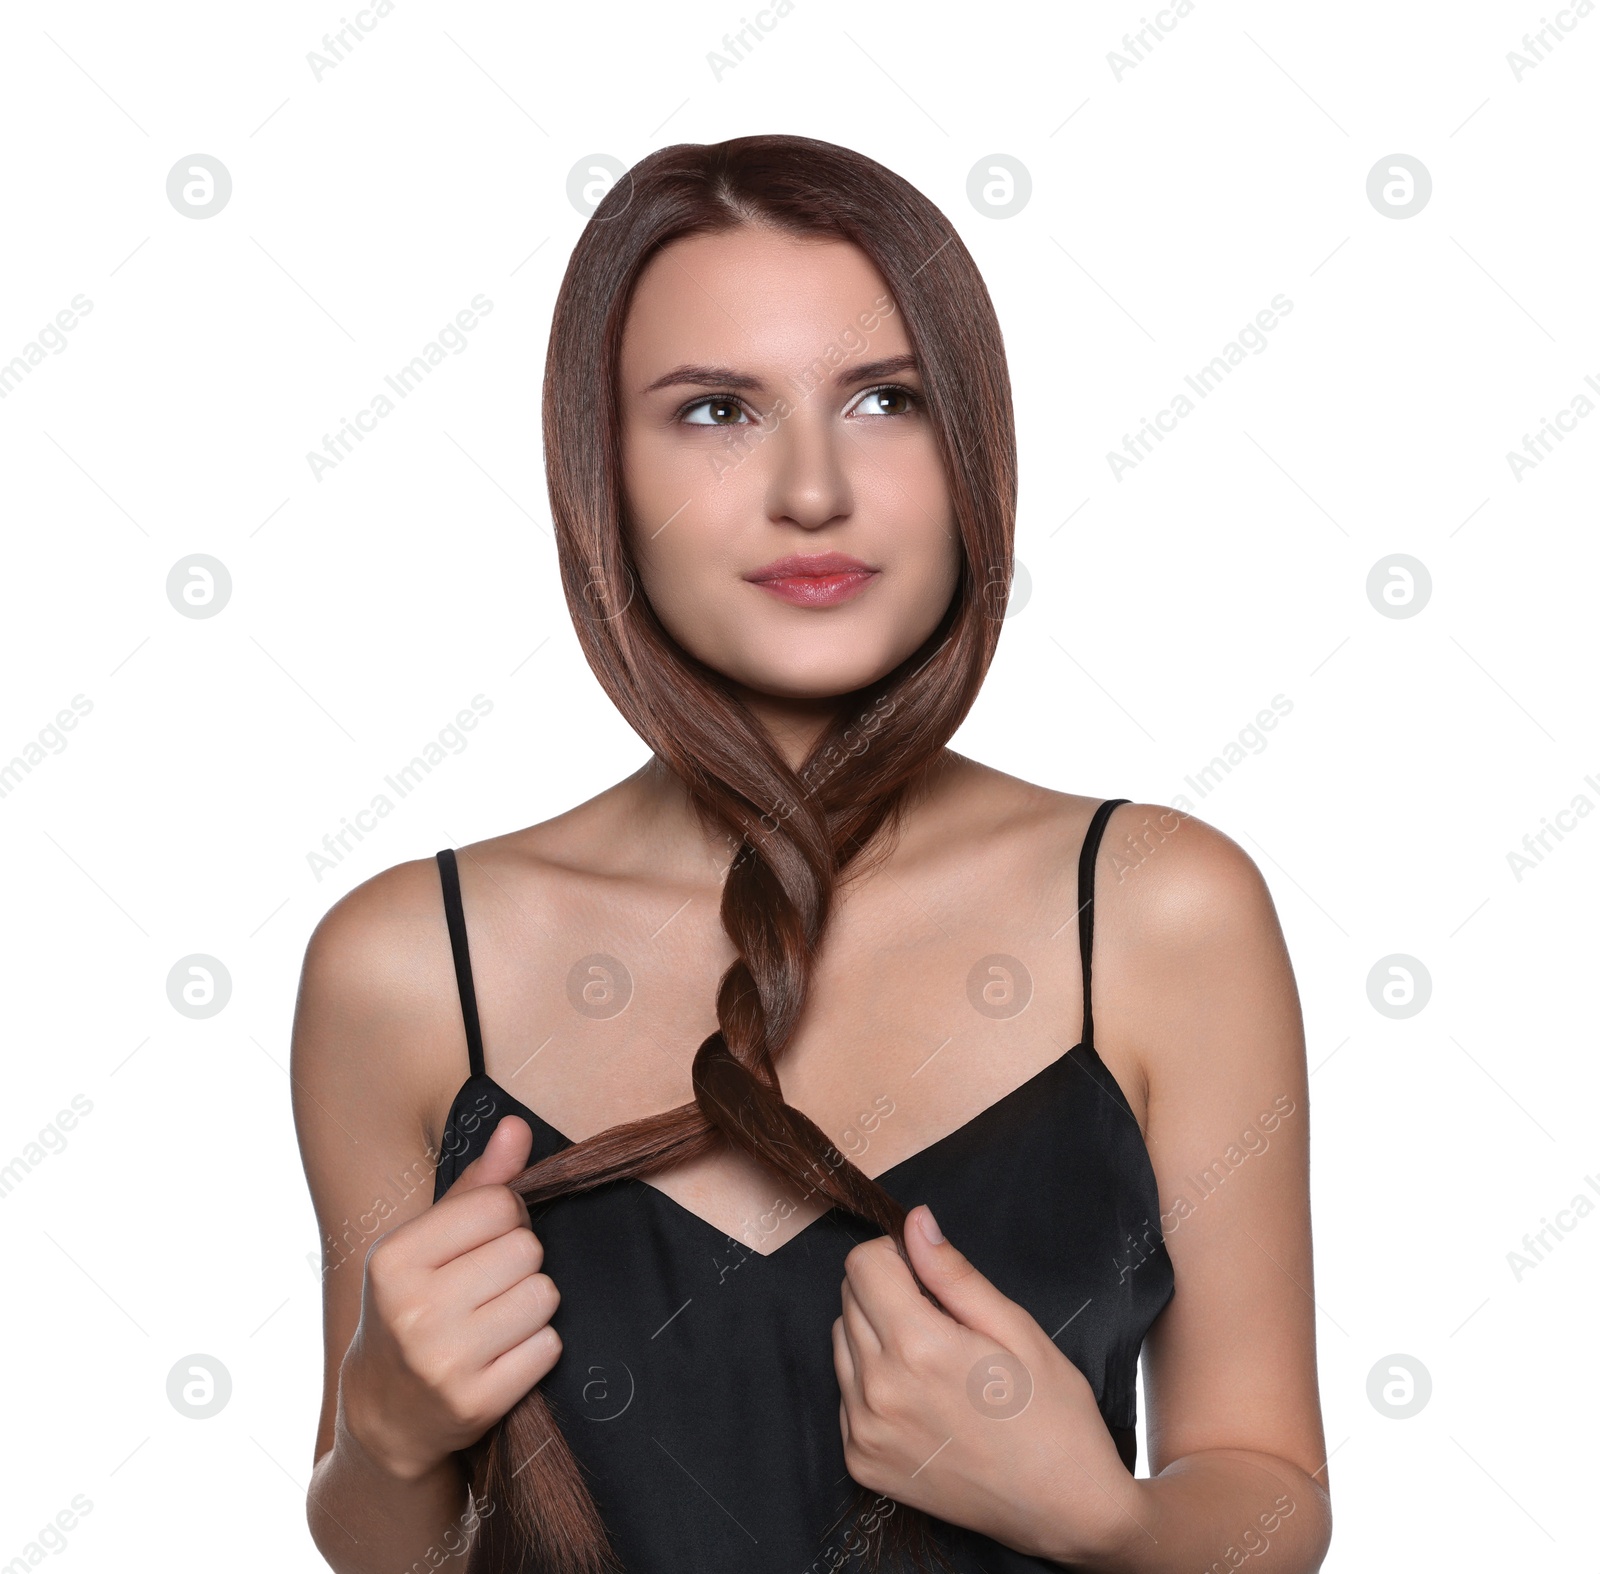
pixel 455 1318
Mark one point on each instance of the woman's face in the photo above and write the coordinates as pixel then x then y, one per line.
pixel 787 509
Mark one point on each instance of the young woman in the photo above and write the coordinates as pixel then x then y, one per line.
pixel 663 1279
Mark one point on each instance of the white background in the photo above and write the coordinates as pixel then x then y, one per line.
pixel 1165 610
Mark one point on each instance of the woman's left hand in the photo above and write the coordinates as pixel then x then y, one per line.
pixel 976 1418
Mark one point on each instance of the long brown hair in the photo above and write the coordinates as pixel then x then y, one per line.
pixel 796 832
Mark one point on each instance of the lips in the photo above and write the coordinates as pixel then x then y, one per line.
pixel 816 565
pixel 818 579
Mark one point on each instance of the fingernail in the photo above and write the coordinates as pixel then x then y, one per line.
pixel 930 1225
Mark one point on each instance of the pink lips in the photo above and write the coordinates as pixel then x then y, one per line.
pixel 820 579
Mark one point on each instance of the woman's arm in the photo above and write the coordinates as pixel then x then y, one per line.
pixel 367 1520
pixel 1192 978
pixel 375 1023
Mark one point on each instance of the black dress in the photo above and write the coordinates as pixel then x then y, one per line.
pixel 696 1383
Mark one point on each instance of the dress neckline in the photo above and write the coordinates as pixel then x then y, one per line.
pixel 1101 1075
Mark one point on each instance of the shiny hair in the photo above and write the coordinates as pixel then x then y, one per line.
pixel 796 831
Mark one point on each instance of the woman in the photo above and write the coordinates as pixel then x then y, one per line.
pixel 803 982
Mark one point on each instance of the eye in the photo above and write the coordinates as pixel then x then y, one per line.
pixel 719 405
pixel 873 400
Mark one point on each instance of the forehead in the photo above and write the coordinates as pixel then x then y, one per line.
pixel 754 297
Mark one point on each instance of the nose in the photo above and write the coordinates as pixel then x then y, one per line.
pixel 807 453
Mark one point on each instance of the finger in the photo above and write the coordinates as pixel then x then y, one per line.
pixel 510 1319
pixel 478 1276
pixel 844 1365
pixel 884 1288
pixel 967 1296
pixel 523 1366
pixel 456 1225
pixel 504 1155
pixel 863 1336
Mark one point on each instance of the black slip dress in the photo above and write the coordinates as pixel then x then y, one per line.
pixel 696 1382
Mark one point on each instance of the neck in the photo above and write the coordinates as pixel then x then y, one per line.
pixel 659 816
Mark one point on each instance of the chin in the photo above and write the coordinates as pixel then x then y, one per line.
pixel 791 686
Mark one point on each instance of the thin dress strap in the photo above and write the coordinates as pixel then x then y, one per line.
pixel 450 879
pixel 1086 858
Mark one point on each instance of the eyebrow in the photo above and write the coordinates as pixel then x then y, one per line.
pixel 704 376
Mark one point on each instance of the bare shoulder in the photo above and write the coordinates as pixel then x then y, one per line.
pixel 1186 936
pixel 379 974
pixel 1164 879
pixel 374 953
pixel 1193 983
pixel 377 1007
pixel 1177 881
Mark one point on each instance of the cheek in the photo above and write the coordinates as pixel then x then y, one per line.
pixel 684 498
pixel 656 540
pixel 938 588
pixel 685 574
pixel 686 531
pixel 937 553
pixel 667 576
pixel 645 481
pixel 914 496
